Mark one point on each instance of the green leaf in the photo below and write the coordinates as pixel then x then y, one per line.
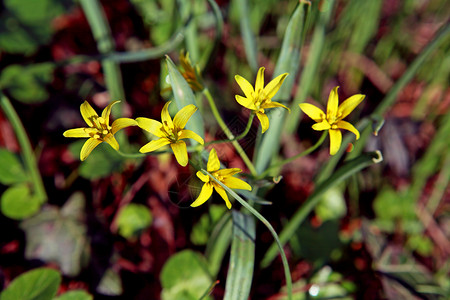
pixel 110 284
pixel 185 276
pixel 19 203
pixel 218 243
pixel 332 206
pixel 11 169
pixel 133 219
pixel 102 161
pixel 242 257
pixel 37 284
pixel 27 83
pixel 75 295
pixel 184 96
pixel 54 235
pixel 201 231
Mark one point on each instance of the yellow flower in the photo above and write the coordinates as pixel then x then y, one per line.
pixel 170 132
pixel 99 129
pixel 225 176
pixel 260 98
pixel 332 120
pixel 191 74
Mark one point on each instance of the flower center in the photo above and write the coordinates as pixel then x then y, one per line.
pixel 100 128
pixel 170 132
pixel 218 177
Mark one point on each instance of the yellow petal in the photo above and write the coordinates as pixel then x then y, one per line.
pixel 153 145
pixel 122 123
pixel 76 133
pixel 274 104
pixel 189 134
pixel 236 183
pixel 88 113
pixel 324 125
pixel 245 102
pixel 203 177
pixel 111 141
pixel 347 126
pixel 349 105
pixel 204 195
pixel 259 83
pixel 228 172
pixel 335 140
pixel 107 111
pixel 182 117
pixel 87 148
pixel 274 85
pixel 213 161
pixel 312 111
pixel 222 194
pixel 165 116
pixel 180 152
pixel 333 101
pixel 245 86
pixel 264 121
pixel 151 126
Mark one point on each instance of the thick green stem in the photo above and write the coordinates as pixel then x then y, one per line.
pixel 27 151
pixel 228 133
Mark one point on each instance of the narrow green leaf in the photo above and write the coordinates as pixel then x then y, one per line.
pixel 37 284
pixel 11 169
pixel 242 257
pixel 288 61
pixel 349 168
pixel 184 96
pixel 18 203
pixel 218 244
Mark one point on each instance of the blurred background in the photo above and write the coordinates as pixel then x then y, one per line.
pixel 110 225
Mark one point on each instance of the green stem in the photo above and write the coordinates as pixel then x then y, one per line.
pixel 134 155
pixel 27 152
pixel 288 160
pixel 228 133
pixel 239 137
pixel 287 272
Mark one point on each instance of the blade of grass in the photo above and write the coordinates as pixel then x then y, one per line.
pixel 218 244
pixel 348 169
pixel 242 257
pixel 288 61
pixel 310 70
pixel 253 211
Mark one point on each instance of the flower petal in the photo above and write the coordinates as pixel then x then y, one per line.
pixel 274 85
pixel 259 83
pixel 324 125
pixel 203 177
pixel 245 102
pixel 204 195
pixel 153 145
pixel 274 104
pixel 189 134
pixel 264 121
pixel 87 148
pixel 151 126
pixel 107 111
pixel 347 126
pixel 165 116
pixel 180 152
pixel 87 112
pixel 222 194
pixel 245 86
pixel 122 123
pixel 335 140
pixel 76 133
pixel 182 117
pixel 236 183
pixel 333 101
pixel 312 111
pixel 110 139
pixel 349 105
pixel 213 161
pixel 228 172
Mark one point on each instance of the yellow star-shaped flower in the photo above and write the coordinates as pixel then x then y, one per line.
pixel 260 98
pixel 225 176
pixel 332 120
pixel 99 129
pixel 170 132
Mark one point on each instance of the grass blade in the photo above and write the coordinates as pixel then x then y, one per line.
pixel 218 244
